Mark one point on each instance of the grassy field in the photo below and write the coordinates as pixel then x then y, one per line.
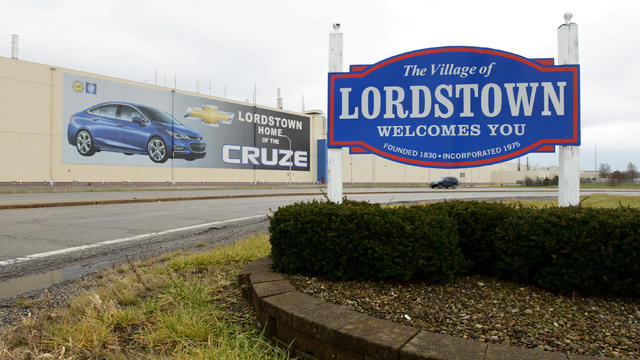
pixel 608 186
pixel 175 307
pixel 596 200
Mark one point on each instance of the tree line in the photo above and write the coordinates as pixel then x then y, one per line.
pixel 618 177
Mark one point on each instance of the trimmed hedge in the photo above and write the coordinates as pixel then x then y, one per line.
pixel 593 251
pixel 358 240
pixel 476 223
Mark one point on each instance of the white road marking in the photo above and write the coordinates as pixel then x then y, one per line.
pixel 128 239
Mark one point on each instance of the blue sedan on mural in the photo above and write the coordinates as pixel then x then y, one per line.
pixel 133 129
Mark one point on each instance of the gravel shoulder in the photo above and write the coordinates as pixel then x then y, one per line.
pixel 492 310
pixel 44 301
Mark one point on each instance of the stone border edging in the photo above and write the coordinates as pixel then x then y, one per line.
pixel 314 329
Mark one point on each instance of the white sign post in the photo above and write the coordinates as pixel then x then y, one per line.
pixel 334 155
pixel 569 177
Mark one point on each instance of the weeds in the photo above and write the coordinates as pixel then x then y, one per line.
pixel 182 307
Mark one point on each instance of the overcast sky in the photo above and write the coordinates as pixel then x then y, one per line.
pixel 284 44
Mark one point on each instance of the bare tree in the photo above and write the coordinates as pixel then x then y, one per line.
pixel 616 178
pixel 632 171
pixel 605 170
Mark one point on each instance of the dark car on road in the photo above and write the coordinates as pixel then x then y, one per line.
pixel 133 129
pixel 445 182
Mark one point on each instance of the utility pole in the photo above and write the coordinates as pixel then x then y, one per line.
pixel 255 94
pixel 595 164
pixel 14 46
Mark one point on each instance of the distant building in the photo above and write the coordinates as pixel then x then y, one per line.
pixel 33 140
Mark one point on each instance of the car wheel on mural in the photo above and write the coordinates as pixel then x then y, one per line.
pixel 130 128
pixel 157 150
pixel 84 143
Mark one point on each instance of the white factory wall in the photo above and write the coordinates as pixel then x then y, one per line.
pixel 31 139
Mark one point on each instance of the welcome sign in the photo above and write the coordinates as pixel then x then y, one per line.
pixel 454 107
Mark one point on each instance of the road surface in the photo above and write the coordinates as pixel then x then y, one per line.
pixel 34 240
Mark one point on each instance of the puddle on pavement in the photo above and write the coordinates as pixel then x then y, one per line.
pixel 39 281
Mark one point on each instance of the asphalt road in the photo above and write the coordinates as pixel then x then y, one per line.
pixel 61 243
pixel 68 197
pixel 32 231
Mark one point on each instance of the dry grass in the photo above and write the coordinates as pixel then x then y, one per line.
pixel 181 307
pixel 596 201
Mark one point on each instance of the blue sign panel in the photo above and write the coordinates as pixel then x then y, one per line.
pixel 454 107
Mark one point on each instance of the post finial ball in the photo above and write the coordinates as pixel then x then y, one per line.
pixel 336 26
pixel 567 16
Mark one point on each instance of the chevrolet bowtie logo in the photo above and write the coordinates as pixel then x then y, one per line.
pixel 209 115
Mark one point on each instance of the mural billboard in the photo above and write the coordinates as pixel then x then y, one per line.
pixel 109 122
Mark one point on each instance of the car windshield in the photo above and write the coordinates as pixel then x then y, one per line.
pixel 159 115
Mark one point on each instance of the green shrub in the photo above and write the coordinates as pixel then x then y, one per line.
pixel 593 251
pixel 358 240
pixel 476 223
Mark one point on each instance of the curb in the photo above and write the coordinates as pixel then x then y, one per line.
pixel 314 329
pixel 145 200
pixel 185 198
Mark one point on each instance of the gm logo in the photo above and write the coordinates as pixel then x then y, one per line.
pixel 77 86
pixel 91 88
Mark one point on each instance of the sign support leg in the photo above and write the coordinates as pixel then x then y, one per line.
pixel 569 176
pixel 334 175
pixel 334 155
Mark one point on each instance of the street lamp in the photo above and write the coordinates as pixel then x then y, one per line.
pixel 290 161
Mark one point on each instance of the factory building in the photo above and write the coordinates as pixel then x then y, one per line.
pixel 65 126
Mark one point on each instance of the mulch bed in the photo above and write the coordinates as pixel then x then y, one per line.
pixel 492 310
